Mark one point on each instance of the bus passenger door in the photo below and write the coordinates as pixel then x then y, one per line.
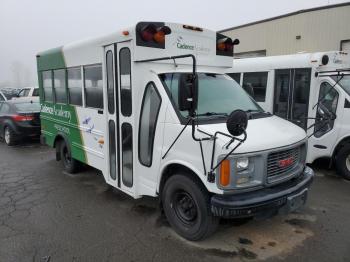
pixel 281 94
pixel 300 97
pixel 126 118
pixel 112 136
pixel 292 92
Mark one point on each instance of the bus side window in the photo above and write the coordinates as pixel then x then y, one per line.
pixel 75 86
pixel 125 81
pixel 59 84
pixel 258 82
pixel 148 122
pixel 93 86
pixel 47 85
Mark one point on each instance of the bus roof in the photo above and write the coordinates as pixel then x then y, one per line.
pixel 181 40
pixel 336 60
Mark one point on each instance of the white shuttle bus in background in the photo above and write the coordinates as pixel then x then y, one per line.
pixel 311 90
pixel 152 108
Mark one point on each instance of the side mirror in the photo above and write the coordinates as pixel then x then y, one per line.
pixel 237 122
pixel 188 93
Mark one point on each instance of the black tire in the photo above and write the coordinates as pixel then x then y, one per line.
pixel 186 206
pixel 10 136
pixel 343 162
pixel 70 164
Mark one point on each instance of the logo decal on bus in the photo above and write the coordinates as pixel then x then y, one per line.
pixel 60 112
pixel 181 45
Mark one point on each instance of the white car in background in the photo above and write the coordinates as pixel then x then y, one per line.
pixel 28 92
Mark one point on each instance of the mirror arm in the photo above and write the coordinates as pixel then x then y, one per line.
pixel 178 136
pixel 315 131
pixel 228 154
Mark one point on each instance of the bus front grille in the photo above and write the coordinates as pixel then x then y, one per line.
pixel 282 163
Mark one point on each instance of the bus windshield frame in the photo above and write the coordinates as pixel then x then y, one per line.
pixel 214 105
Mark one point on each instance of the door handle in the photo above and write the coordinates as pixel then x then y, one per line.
pixel 100 112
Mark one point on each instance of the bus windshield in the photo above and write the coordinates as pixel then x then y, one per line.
pixel 218 94
pixel 344 82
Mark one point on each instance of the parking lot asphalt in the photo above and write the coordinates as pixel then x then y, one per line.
pixel 48 215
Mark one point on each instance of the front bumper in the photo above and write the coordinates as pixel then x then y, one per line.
pixel 285 197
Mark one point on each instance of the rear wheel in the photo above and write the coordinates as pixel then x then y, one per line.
pixel 70 164
pixel 9 136
pixel 343 162
pixel 186 206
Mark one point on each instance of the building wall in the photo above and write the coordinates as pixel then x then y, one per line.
pixel 320 30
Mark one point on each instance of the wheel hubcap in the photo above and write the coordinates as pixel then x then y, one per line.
pixel 7 136
pixel 348 162
pixel 185 207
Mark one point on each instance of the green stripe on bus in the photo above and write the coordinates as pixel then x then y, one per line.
pixel 63 119
pixel 51 59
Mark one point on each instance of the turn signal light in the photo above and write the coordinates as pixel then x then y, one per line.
pixel 225 173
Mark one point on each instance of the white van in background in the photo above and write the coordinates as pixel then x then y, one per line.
pixel 311 90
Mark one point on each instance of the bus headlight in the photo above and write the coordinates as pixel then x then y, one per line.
pixel 242 163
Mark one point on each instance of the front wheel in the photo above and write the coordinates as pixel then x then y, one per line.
pixel 70 164
pixel 343 162
pixel 186 206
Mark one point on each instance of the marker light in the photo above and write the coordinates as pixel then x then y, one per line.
pixel 125 33
pixel 194 28
pixel 225 172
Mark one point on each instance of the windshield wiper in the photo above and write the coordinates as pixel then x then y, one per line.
pixel 213 114
pixel 254 111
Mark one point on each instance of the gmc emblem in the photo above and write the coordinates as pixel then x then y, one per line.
pixel 285 162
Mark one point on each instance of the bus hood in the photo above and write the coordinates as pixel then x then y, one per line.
pixel 262 134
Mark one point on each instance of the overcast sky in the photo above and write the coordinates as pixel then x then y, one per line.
pixel 30 26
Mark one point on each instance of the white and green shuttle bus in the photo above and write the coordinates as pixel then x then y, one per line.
pixel 151 107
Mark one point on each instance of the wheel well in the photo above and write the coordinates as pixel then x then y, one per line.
pixel 173 169
pixel 342 143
